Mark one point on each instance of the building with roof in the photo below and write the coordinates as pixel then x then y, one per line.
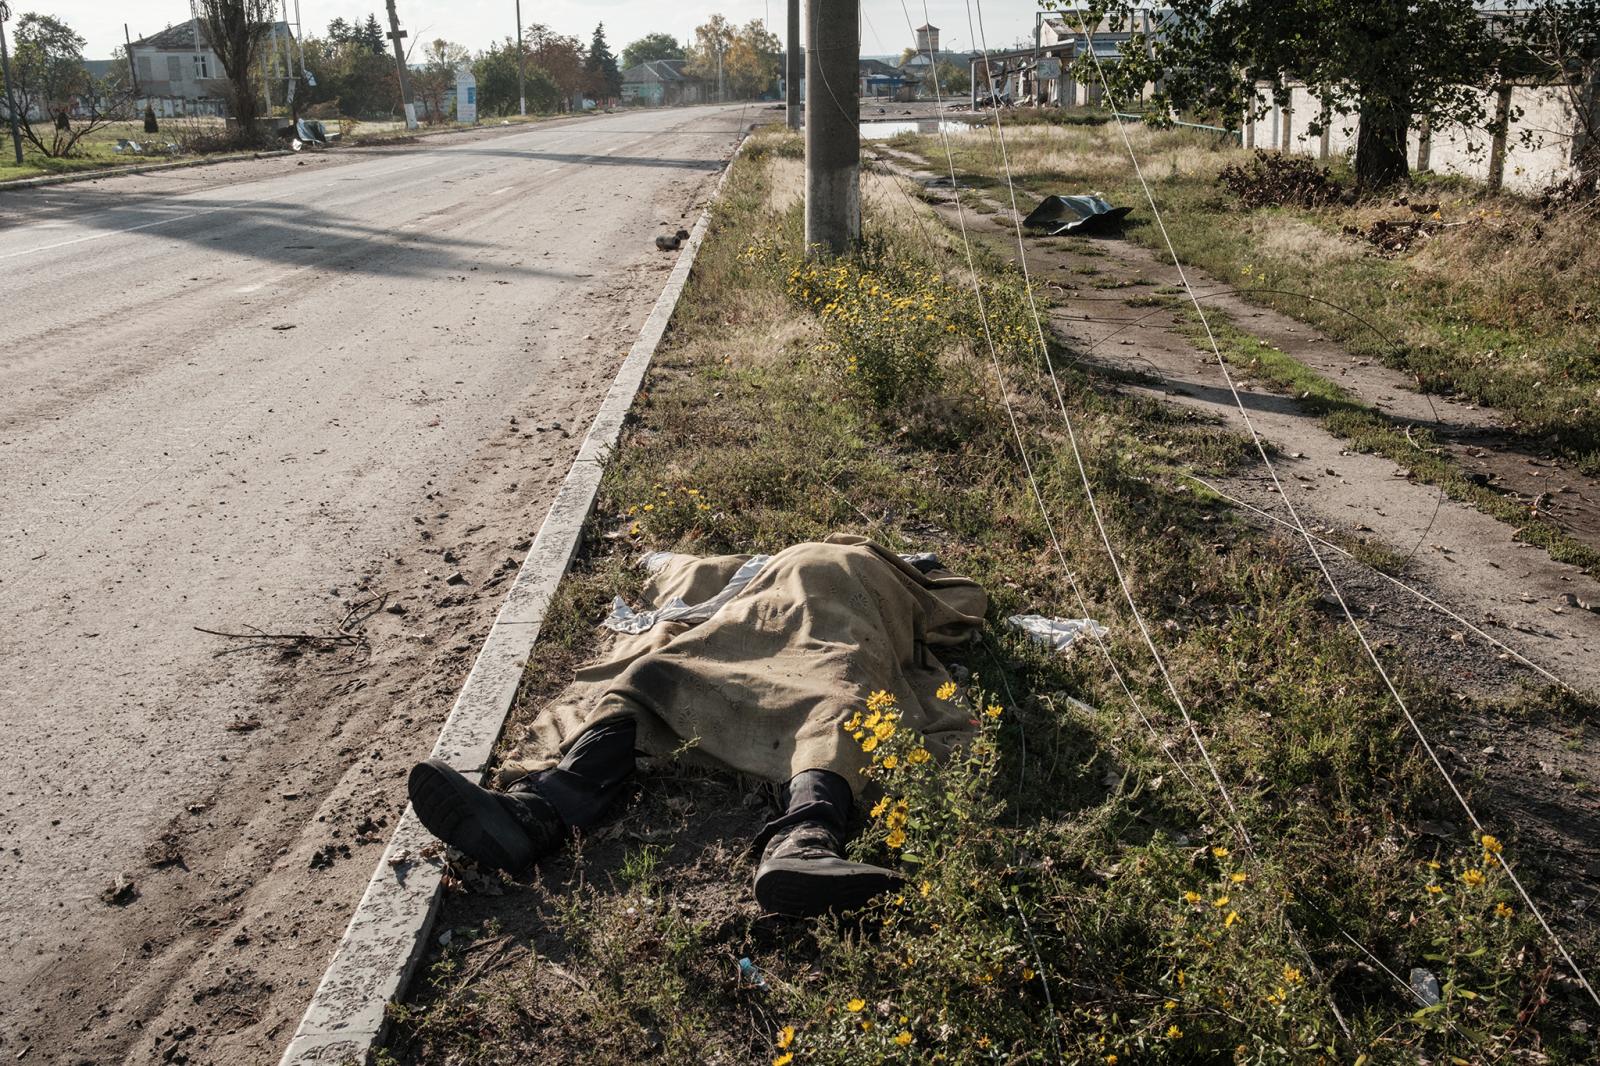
pixel 1042 75
pixel 179 73
pixel 928 55
pixel 661 83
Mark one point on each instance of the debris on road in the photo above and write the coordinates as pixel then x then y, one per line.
pixel 121 892
pixel 1074 214
pixel 668 244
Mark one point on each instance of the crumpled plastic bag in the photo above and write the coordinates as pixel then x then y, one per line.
pixel 1057 633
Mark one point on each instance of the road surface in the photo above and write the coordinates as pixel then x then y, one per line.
pixel 303 395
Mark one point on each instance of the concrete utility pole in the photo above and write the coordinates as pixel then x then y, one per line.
pixel 833 125
pixel 791 71
pixel 522 92
pixel 396 34
pixel 5 71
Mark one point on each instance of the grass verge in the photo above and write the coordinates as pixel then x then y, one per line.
pixel 1077 891
pixel 1498 304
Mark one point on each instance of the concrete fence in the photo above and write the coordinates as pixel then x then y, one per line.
pixel 1542 139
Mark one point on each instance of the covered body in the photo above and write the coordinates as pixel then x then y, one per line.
pixel 763 685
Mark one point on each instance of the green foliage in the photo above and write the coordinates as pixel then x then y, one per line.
pixel 600 66
pixel 496 71
pixel 650 47
pixel 1380 61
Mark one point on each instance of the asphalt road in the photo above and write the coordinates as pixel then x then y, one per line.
pixel 258 395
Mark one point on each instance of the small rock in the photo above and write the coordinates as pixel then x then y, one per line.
pixel 121 892
pixel 457 578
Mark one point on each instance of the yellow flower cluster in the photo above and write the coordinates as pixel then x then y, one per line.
pixel 681 502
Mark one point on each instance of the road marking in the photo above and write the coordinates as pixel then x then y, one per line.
pixel 497 192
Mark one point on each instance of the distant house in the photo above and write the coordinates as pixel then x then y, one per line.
pixel 928 55
pixel 661 83
pixel 881 81
pixel 179 73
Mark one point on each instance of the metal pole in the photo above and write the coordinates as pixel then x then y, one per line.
pixel 791 71
pixel 5 69
pixel 833 133
pixel 396 34
pixel 522 92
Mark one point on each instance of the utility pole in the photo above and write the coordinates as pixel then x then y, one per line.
pixel 396 34
pixel 133 71
pixel 833 125
pixel 522 92
pixel 5 70
pixel 791 71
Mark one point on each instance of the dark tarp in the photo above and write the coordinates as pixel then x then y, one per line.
pixel 1074 214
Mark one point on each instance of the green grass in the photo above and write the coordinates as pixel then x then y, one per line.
pixel 1502 307
pixel 1369 430
pixel 1073 895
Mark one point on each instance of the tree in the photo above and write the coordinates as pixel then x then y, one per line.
pixel 351 80
pixel 437 77
pixel 750 69
pixel 372 35
pixel 340 31
pixel 1384 62
pixel 50 82
pixel 954 78
pixel 603 81
pixel 237 29
pixel 559 56
pixel 496 71
pixel 713 39
pixel 650 47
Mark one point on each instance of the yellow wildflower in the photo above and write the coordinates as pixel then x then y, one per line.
pixel 1472 878
pixel 872 719
pixel 994 710
pixel 1192 897
pixel 1503 911
pixel 927 888
pixel 853 724
pixel 891 761
pixel 896 838
pixel 879 807
pixel 1291 975
pixel 918 756
pixel 1111 1060
pixel 855 1006
pixel 1171 1004
pixel 1233 916
pixel 903 1037
pixel 1434 890
pixel 1238 878
pixel 1219 852
pixel 649 507
pixel 1173 1032
pixel 784 1059
pixel 884 730
pixel 869 743
pixel 1027 973
pixel 785 1036
pixel 1490 844
pixel 880 701
pixel 1220 901
pixel 946 690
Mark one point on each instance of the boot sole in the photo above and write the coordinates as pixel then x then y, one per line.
pixel 468 818
pixel 799 889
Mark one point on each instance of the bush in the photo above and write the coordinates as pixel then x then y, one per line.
pixel 1273 179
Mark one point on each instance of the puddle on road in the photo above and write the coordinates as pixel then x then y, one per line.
pixel 878 131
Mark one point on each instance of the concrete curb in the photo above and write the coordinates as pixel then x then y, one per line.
pixel 388 934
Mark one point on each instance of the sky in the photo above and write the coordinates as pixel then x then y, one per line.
pixel 475 23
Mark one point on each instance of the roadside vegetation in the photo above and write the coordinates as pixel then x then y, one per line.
pixel 1489 297
pixel 1078 890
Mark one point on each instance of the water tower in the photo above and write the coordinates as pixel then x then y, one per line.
pixel 927 39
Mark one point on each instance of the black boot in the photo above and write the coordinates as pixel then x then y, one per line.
pixel 507 830
pixel 515 829
pixel 803 872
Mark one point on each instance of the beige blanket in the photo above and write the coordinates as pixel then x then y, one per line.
pixel 763 685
